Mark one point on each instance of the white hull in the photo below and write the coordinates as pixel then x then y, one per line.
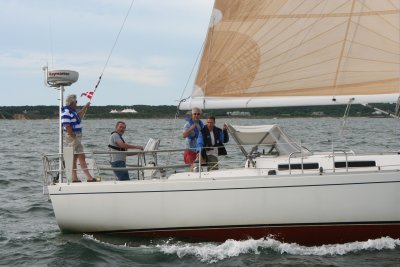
pixel 245 198
pixel 295 54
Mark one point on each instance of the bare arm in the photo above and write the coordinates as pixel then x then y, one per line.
pixel 125 145
pixel 83 110
pixel 69 130
pixel 188 131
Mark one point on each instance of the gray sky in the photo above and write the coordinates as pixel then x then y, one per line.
pixel 150 64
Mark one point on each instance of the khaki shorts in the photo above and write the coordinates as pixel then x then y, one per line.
pixel 75 142
pixel 212 162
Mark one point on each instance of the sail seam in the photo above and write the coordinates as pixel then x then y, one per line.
pixel 328 15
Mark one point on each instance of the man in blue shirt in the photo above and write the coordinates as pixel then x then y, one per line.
pixel 191 132
pixel 71 122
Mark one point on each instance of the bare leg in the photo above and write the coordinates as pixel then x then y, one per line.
pixel 74 175
pixel 82 161
pixel 194 164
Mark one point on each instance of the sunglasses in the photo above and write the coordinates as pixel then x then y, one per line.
pixel 196 113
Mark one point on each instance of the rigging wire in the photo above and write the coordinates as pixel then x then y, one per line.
pixel 382 111
pixel 51 42
pixel 346 115
pixel 187 82
pixel 183 92
pixel 345 62
pixel 397 109
pixel 181 99
pixel 109 55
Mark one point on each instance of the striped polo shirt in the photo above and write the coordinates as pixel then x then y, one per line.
pixel 70 116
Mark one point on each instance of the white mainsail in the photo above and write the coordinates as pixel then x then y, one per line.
pixel 297 52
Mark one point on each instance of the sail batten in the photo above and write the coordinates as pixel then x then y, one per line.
pixel 256 50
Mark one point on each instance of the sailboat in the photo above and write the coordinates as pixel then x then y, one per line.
pixel 263 54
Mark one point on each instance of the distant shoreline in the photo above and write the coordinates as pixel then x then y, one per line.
pixel 164 111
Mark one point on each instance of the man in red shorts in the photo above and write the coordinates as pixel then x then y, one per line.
pixel 191 132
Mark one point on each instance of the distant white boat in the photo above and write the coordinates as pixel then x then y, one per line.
pixel 126 110
pixel 261 54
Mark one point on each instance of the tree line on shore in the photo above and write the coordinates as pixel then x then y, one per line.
pixel 165 111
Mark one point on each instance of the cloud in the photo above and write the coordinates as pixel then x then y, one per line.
pixel 144 76
pixel 155 52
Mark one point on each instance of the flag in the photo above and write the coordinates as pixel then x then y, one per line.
pixel 88 94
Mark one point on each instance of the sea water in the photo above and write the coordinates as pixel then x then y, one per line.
pixel 29 234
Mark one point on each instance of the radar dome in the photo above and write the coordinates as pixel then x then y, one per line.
pixel 62 77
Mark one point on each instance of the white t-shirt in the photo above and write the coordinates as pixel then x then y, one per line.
pixel 213 151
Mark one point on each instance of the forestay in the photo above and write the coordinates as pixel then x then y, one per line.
pixel 291 53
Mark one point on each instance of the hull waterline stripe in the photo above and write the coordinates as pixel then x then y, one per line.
pixel 287 225
pixel 220 189
pixel 315 234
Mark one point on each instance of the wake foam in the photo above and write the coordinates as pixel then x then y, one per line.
pixel 215 252
pixel 212 253
pixel 92 238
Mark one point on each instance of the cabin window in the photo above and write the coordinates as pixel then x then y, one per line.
pixel 297 166
pixel 367 163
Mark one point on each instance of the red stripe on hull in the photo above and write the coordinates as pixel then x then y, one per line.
pixel 308 235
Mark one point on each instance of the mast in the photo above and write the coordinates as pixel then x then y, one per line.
pixel 58 79
pixel 60 134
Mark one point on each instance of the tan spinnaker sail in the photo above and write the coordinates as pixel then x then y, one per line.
pixel 300 51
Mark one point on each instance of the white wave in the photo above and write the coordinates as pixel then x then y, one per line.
pixel 92 238
pixel 125 246
pixel 215 252
pixel 212 252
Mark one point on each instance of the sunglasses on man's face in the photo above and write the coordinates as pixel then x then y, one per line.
pixel 196 113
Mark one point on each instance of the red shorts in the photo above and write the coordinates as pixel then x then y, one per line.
pixel 189 156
